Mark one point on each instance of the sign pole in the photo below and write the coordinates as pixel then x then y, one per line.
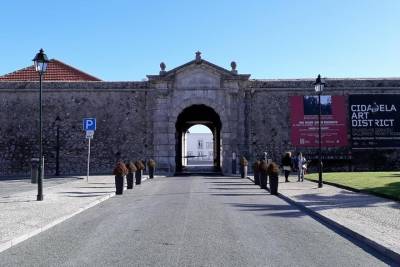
pixel 89 125
pixel 88 161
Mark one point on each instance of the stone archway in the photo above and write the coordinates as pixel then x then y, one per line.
pixel 224 132
pixel 192 115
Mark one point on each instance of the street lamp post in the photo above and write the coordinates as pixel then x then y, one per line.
pixel 40 61
pixel 374 109
pixel 319 88
pixel 58 122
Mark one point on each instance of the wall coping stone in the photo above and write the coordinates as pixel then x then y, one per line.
pixel 252 84
pixel 330 82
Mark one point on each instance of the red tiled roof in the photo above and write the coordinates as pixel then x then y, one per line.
pixel 56 71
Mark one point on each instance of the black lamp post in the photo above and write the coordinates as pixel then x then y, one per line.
pixel 319 88
pixel 58 122
pixel 40 61
pixel 374 109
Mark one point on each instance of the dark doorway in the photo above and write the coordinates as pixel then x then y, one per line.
pixel 197 114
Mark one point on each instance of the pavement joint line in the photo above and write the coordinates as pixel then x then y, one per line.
pixel 16 240
pixel 341 228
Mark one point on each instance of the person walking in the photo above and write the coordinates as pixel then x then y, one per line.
pixel 301 166
pixel 287 165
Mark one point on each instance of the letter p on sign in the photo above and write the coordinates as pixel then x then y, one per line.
pixel 89 124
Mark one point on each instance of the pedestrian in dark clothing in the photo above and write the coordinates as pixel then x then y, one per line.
pixel 287 165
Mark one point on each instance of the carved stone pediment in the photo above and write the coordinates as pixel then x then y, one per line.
pixel 197 77
pixel 198 74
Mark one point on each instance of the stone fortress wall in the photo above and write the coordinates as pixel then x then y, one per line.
pixel 120 110
pixel 136 120
pixel 270 121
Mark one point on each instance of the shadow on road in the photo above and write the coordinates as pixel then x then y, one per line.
pixel 232 188
pixel 286 211
pixel 91 195
pixel 290 210
pixel 344 200
pixel 227 183
pixel 86 194
pixel 238 194
pixel 89 187
pixel 18 201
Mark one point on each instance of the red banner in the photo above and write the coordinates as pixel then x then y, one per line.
pixel 304 121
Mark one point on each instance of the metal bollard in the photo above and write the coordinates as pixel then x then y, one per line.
pixel 234 163
pixel 42 168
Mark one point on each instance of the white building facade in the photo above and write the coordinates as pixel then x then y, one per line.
pixel 199 148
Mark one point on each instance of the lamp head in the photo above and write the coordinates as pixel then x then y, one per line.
pixel 40 61
pixel 319 85
pixel 57 121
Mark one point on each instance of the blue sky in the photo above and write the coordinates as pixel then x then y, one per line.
pixel 125 40
pixel 198 128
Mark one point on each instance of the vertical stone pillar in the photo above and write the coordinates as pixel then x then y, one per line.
pixel 247 123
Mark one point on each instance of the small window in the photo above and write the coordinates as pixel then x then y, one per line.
pixel 200 144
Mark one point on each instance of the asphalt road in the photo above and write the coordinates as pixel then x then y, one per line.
pixel 191 221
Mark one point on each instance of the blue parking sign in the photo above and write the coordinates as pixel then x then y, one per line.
pixel 89 124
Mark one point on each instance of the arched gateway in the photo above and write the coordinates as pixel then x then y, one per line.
pixel 198 92
pixel 197 114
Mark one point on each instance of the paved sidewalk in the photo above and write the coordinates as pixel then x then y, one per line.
pixel 10 186
pixel 22 217
pixel 365 217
